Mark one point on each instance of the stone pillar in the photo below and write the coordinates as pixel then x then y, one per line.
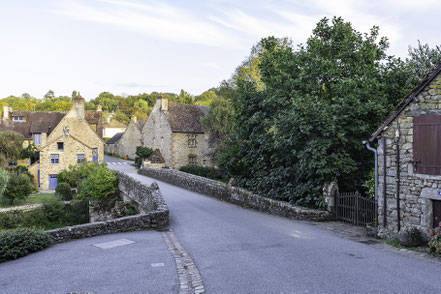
pixel 330 190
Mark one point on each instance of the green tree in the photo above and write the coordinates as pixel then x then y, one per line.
pixel 10 147
pixel 19 187
pixel 318 102
pixel 185 98
pixel 423 59
pixel 102 183
pixel 4 178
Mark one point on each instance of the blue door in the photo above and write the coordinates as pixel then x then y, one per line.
pixel 53 181
pixel 95 154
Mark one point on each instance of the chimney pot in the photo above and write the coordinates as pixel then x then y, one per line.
pixel 134 119
pixel 164 103
pixel 5 113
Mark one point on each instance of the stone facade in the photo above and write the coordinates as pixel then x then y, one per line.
pixel 235 195
pixel 77 138
pixel 405 197
pixel 176 131
pixel 154 214
pixel 131 138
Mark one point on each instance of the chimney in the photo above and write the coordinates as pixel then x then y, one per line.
pixel 77 109
pixel 99 108
pixel 5 113
pixel 134 119
pixel 164 103
pixel 108 119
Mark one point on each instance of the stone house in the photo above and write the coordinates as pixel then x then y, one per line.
pixel 112 127
pixel 409 161
pixel 131 138
pixel 175 130
pixel 62 138
pixel 111 145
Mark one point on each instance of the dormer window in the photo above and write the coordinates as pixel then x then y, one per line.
pixel 18 118
pixel 37 139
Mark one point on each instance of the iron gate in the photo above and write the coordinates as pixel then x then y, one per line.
pixel 354 208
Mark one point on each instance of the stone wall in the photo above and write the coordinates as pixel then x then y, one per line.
pixel 416 190
pixel 181 151
pixel 155 214
pixel 235 195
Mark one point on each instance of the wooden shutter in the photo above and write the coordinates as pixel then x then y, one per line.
pixel 427 144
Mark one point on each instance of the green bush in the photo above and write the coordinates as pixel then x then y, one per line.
pixel 102 183
pixel 20 242
pixel 19 187
pixel 64 191
pixel 435 240
pixel 207 172
pixel 4 178
pixel 142 153
pixel 53 214
pixel 76 173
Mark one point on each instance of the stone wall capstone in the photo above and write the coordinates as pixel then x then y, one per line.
pixel 235 195
pixel 154 214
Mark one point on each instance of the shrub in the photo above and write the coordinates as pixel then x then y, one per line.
pixel 64 191
pixel 20 242
pixel 207 172
pixel 4 178
pixel 142 152
pixel 76 173
pixel 102 183
pixel 19 187
pixel 435 240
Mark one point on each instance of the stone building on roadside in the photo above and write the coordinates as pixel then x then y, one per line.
pixel 112 127
pixel 130 139
pixel 175 130
pixel 63 138
pixel 409 161
pixel 111 146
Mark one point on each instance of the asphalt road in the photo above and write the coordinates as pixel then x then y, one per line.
pixel 243 251
pixel 236 251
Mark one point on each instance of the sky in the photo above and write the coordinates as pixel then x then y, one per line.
pixel 139 46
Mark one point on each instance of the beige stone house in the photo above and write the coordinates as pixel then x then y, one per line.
pixel 175 130
pixel 409 161
pixel 112 127
pixel 111 146
pixel 131 138
pixel 62 138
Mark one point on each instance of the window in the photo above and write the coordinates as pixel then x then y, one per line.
pixel 192 140
pixel 37 139
pixel 81 158
pixel 192 159
pixel 55 158
pixel 60 146
pixel 427 144
pixel 18 118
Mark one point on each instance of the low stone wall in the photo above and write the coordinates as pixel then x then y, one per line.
pixel 235 195
pixel 154 214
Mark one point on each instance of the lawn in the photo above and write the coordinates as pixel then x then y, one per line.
pixel 38 198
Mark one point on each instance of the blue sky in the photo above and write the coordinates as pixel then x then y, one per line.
pixel 131 47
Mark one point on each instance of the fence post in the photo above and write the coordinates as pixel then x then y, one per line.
pixel 356 208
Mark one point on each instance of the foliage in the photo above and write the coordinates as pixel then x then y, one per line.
pixel 369 184
pixel 30 152
pixel 64 191
pixel 435 240
pixel 10 147
pixel 76 173
pixel 20 242
pixel 423 59
pixel 102 183
pixel 206 172
pixel 19 187
pixel 142 153
pixel 53 214
pixel 318 102
pixel 4 178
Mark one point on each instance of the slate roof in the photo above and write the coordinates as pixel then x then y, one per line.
pixel 185 118
pixel 429 78
pixel 115 138
pixel 156 157
pixel 46 121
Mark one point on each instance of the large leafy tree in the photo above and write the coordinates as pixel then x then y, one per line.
pixel 305 125
pixel 423 59
pixel 11 145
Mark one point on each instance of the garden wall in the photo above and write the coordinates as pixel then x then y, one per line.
pixel 234 195
pixel 154 214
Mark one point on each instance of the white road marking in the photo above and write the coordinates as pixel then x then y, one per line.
pixel 113 244
pixel 157 264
